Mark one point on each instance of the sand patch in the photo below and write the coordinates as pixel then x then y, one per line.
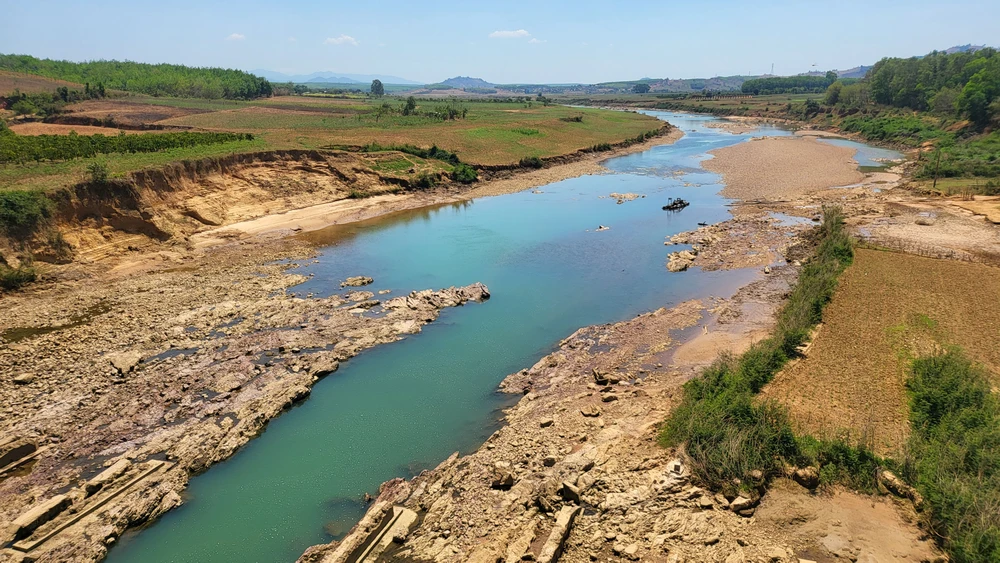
pixel 795 166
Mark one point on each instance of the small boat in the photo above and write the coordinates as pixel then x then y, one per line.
pixel 702 224
pixel 675 204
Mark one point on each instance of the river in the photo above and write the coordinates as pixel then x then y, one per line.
pixel 404 407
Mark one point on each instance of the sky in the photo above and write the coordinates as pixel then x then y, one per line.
pixel 503 41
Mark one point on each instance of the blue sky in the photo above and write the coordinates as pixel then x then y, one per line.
pixel 501 41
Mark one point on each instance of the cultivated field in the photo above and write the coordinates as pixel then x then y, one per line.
pixel 489 134
pixel 887 308
pixel 29 84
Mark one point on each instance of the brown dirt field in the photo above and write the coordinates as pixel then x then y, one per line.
pixel 854 373
pixel 10 81
pixel 128 112
pixel 55 129
pixel 795 166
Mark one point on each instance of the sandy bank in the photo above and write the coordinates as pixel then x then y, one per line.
pixel 783 168
pixel 315 217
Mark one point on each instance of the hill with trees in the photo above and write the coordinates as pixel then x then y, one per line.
pixel 155 80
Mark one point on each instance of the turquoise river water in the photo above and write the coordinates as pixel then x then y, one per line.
pixel 403 407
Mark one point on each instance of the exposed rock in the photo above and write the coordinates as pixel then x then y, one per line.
pixel 24 378
pixel 590 411
pixel 808 477
pixel 546 422
pixel 356 281
pixel 125 362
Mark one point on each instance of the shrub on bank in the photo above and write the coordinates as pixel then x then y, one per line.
pixel 735 440
pixel 955 453
pixel 531 162
pixel 22 212
pixel 464 173
pixel 14 278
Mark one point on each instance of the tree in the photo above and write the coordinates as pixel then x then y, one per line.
pixel 411 105
pixel 833 93
pixel 378 90
pixel 300 89
pixel 641 88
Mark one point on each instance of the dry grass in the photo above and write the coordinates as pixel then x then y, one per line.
pixel 29 84
pixel 36 128
pixel 853 378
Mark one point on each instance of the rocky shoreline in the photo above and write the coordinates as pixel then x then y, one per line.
pixel 174 372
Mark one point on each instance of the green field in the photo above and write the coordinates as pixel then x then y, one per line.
pixel 490 133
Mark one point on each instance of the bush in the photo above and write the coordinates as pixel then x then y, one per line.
pixel 14 278
pixel 531 162
pixel 98 172
pixel 955 449
pixel 424 180
pixel 464 173
pixel 728 432
pixel 23 212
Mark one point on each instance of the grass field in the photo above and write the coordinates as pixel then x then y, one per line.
pixel 490 134
pixel 887 308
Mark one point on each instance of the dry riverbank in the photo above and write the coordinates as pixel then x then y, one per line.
pixel 794 167
pixel 157 377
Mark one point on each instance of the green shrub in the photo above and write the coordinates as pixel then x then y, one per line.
pixel 531 162
pixel 955 453
pixel 98 172
pixel 424 180
pixel 23 212
pixel 729 433
pixel 464 173
pixel 14 278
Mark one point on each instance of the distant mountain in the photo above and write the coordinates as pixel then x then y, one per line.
pixel 332 80
pixel 467 82
pixel 969 48
pixel 331 77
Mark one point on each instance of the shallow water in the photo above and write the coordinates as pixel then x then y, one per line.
pixel 869 158
pixel 404 407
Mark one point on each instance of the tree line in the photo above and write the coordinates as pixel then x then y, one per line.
pixel 49 103
pixel 961 84
pixel 155 80
pixel 26 148
pixel 789 84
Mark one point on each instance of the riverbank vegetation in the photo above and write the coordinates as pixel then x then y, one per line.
pixel 736 441
pixel 955 453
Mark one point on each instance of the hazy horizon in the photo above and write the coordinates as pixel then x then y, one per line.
pixel 558 42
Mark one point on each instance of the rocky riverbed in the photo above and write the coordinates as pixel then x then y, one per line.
pixel 158 377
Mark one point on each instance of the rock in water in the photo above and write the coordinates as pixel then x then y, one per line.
pixel 356 281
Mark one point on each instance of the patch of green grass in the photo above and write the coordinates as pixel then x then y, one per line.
pixel 955 453
pixel 23 212
pixel 736 441
pixel 15 278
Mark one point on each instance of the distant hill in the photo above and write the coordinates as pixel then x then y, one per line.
pixel 969 48
pixel 331 77
pixel 333 80
pixel 467 82
pixel 143 78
